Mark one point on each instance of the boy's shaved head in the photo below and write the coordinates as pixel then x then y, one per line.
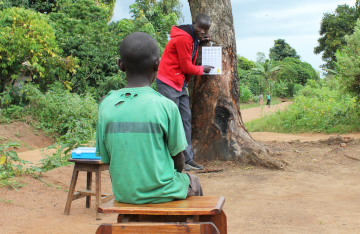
pixel 138 52
pixel 202 18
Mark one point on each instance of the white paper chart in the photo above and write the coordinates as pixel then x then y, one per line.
pixel 212 56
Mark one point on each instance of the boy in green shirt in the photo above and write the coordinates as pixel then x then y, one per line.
pixel 140 132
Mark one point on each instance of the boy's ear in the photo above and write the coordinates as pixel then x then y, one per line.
pixel 120 65
pixel 156 65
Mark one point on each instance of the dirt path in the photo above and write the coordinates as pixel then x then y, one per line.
pixel 256 112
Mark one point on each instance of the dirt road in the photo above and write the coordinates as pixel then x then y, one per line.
pixel 257 112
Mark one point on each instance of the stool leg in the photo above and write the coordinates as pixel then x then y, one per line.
pixel 88 187
pixel 71 189
pixel 98 191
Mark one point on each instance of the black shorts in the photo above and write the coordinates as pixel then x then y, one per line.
pixel 268 102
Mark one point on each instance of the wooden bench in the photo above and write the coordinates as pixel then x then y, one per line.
pixel 158 228
pixel 89 166
pixel 195 213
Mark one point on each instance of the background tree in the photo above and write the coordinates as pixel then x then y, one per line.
pixel 246 80
pixel 282 50
pixel 28 46
pixel 334 27
pixel 260 57
pixel 149 17
pixel 265 70
pixel 349 62
pixel 48 6
pixel 82 31
pixel 42 6
pixel 293 75
pixel 218 131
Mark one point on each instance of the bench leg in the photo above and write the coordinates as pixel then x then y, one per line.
pixel 98 191
pixel 71 189
pixel 88 187
pixel 218 220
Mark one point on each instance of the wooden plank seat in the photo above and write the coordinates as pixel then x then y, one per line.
pixel 158 228
pixel 190 210
pixel 89 166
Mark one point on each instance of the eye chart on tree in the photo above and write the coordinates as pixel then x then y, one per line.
pixel 212 56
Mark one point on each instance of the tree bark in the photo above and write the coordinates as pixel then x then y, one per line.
pixel 218 131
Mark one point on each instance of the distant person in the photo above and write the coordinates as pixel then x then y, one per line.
pixel 140 132
pixel 261 97
pixel 268 99
pixel 177 65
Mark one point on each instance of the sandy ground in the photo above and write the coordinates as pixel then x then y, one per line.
pixel 256 112
pixel 28 137
pixel 318 192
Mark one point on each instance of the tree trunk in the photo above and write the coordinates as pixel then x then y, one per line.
pixel 218 131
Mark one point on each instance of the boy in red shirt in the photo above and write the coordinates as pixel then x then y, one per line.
pixel 176 66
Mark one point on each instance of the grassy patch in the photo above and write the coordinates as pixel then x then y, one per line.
pixel 314 110
pixel 12 183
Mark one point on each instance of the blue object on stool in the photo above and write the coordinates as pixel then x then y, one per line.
pixel 84 153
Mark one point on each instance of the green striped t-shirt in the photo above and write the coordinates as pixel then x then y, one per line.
pixel 138 130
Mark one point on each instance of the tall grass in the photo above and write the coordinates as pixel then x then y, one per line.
pixel 314 110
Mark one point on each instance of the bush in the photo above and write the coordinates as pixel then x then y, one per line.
pixel 280 89
pixel 245 94
pixel 107 84
pixel 314 110
pixel 255 98
pixel 10 164
pixel 297 88
pixel 59 111
pixel 14 112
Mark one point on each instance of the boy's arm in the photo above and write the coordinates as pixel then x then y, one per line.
pixel 100 146
pixel 175 137
pixel 179 161
pixel 184 50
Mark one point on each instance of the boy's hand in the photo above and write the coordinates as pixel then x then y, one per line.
pixel 179 162
pixel 207 68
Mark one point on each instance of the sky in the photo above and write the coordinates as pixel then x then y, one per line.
pixel 259 22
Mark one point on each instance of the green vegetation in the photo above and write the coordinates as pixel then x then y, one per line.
pixel 317 108
pixel 334 27
pixel 29 47
pixel 61 112
pixel 283 75
pixel 68 51
pixel 329 105
pixel 282 50
pixel 349 62
pixel 10 163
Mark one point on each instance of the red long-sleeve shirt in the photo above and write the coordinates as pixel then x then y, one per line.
pixel 176 61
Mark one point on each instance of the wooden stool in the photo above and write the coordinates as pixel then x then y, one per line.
pixel 196 213
pixel 89 166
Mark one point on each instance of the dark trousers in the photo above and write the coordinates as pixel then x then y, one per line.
pixel 181 99
pixel 195 188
